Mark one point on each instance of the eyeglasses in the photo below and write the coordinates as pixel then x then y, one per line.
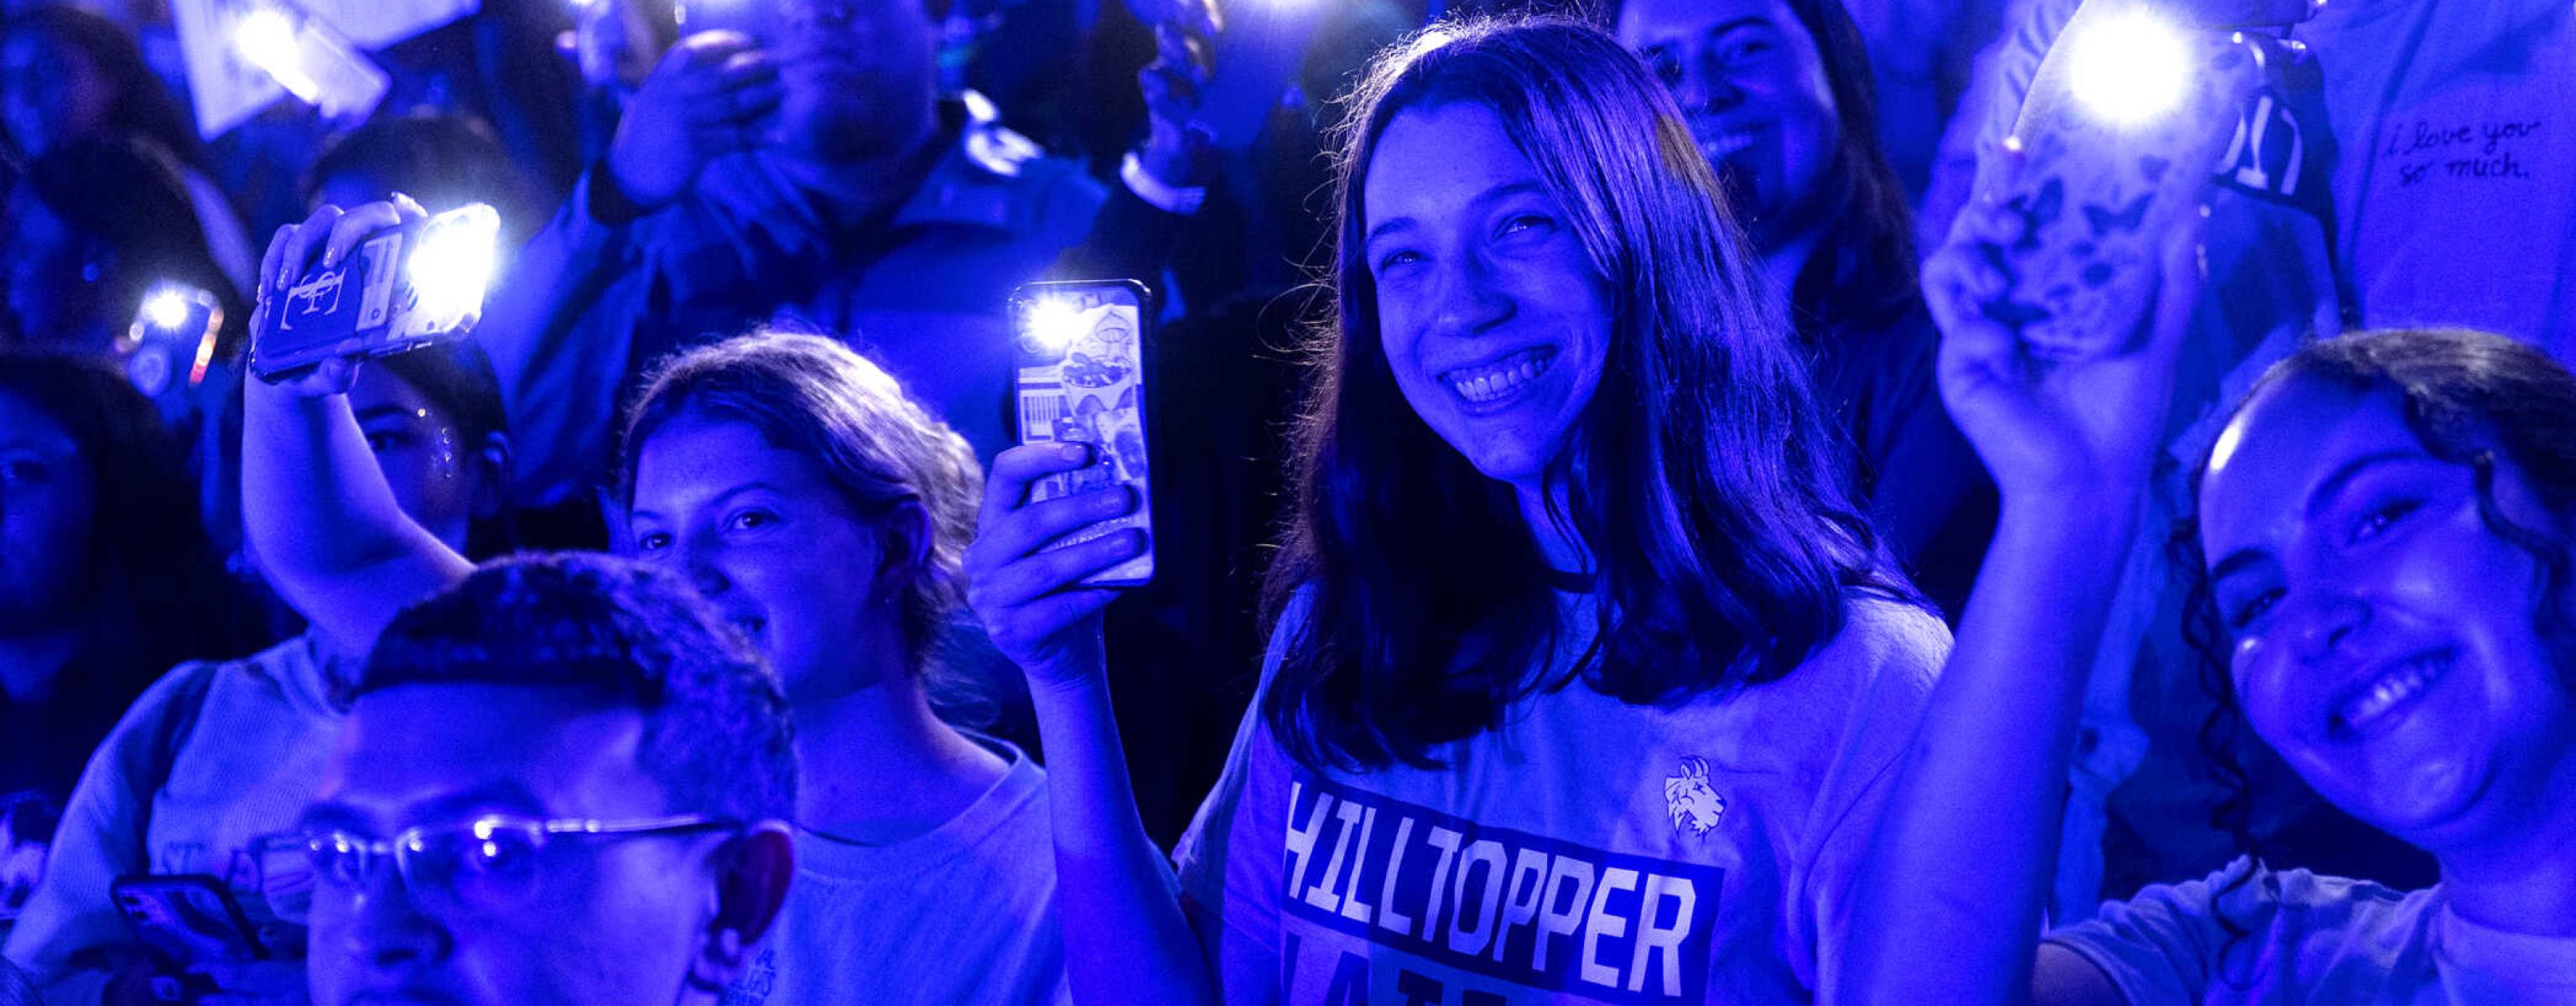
pixel 485 865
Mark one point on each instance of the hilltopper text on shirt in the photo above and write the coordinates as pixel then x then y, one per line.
pixel 1478 916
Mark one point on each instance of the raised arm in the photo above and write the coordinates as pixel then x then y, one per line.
pixel 1125 938
pixel 321 521
pixel 1949 904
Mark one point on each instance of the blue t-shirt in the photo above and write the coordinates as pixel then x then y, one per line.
pixel 1586 851
pixel 2312 939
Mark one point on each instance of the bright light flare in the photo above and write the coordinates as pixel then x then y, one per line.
pixel 266 38
pixel 1054 324
pixel 2130 69
pixel 166 309
pixel 452 265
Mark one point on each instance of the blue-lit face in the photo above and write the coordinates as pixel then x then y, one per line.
pixel 859 77
pixel 768 538
pixel 50 92
pixel 48 495
pixel 603 922
pixel 1753 87
pixel 434 475
pixel 1493 319
pixel 2383 635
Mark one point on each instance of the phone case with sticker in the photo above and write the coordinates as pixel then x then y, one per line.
pixel 1079 377
pixel 2077 238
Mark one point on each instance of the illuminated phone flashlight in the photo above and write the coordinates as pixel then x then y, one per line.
pixel 266 38
pixel 176 327
pixel 451 266
pixel 1053 325
pixel 2131 69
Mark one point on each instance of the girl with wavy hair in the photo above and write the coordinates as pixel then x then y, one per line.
pixel 1566 528
pixel 2381 538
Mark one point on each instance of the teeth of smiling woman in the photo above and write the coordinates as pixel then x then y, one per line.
pixel 2393 688
pixel 1498 381
pixel 1728 142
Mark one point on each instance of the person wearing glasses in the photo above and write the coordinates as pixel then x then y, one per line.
pixel 562 781
pixel 825 513
pixel 218 751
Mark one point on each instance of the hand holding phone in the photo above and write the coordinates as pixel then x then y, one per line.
pixel 187 921
pixel 390 279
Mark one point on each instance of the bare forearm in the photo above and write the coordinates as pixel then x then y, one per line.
pixel 324 526
pixel 1125 937
pixel 1948 907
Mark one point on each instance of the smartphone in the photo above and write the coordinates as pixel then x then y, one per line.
pixel 1079 377
pixel 399 290
pixel 187 920
pixel 1257 56
pixel 171 344
pixel 310 59
pixel 2122 136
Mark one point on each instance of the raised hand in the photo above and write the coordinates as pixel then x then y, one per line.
pixel 1184 43
pixel 1032 602
pixel 2050 424
pixel 712 94
pixel 331 234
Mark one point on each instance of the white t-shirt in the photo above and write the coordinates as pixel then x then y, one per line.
pixel 1586 851
pixel 2312 939
pixel 962 915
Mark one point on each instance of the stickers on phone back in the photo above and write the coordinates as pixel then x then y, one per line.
pixel 1093 395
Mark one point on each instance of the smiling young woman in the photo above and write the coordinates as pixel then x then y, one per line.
pixel 2383 530
pixel 1584 672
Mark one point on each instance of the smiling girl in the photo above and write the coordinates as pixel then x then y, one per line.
pixel 2384 529
pixel 1585 678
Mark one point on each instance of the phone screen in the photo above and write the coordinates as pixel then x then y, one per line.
pixel 187 920
pixel 1081 379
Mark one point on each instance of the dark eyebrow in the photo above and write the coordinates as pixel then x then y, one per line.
pixel 2343 475
pixel 508 796
pixel 1747 21
pixel 2234 563
pixel 500 795
pixel 2325 493
pixel 379 411
pixel 330 815
pixel 634 513
pixel 1491 195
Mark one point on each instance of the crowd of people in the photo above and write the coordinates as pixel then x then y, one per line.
pixel 1617 532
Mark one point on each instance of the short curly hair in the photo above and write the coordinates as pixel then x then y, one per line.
pixel 717 735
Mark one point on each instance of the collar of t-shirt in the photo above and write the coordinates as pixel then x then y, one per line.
pixel 2492 965
pixel 981 822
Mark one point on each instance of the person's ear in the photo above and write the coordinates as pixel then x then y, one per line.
pixel 491 475
pixel 752 874
pixel 904 541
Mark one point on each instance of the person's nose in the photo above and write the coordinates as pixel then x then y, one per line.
pixel 2322 629
pixel 1706 86
pixel 698 558
pixel 1471 297
pixel 387 928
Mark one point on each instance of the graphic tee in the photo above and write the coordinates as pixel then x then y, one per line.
pixel 1588 851
pixel 2313 939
